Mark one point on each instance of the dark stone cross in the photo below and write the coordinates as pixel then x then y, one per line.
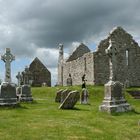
pixel 112 52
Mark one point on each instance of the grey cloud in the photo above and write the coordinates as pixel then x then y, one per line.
pixel 45 23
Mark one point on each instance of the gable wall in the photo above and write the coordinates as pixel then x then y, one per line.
pixel 123 72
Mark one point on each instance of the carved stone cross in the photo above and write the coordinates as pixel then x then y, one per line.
pixel 7 58
pixel 26 74
pixel 112 52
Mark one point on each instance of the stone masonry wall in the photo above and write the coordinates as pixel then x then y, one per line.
pixel 96 64
pixel 78 67
pixel 123 42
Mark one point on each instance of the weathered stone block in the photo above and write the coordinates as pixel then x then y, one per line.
pixel 70 100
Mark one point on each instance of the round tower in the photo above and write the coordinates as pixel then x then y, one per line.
pixel 60 65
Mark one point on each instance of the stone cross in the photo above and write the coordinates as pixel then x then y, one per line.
pixel 26 73
pixel 112 52
pixel 7 58
pixel 19 78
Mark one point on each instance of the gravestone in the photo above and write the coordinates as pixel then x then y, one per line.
pixel 8 94
pixel 70 100
pixel 7 88
pixel 114 99
pixel 64 94
pixel 58 96
pixel 26 95
pixel 84 96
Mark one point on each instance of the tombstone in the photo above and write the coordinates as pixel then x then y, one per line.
pixel 58 96
pixel 69 80
pixel 70 100
pixel 64 94
pixel 26 95
pixel 114 99
pixel 8 94
pixel 7 88
pixel 84 96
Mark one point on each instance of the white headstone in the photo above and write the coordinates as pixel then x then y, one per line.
pixel 8 58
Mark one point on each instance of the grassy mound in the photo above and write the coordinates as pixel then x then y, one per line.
pixel 42 120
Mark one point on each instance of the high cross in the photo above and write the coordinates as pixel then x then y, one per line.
pixel 8 58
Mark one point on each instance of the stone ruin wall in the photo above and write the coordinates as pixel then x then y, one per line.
pixel 131 72
pixel 97 63
pixel 78 67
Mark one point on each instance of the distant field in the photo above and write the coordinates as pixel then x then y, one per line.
pixel 42 120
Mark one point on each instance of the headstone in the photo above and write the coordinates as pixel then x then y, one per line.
pixel 8 94
pixel 58 96
pixel 64 94
pixel 69 80
pixel 114 100
pixel 8 58
pixel 7 88
pixel 26 95
pixel 84 96
pixel 70 100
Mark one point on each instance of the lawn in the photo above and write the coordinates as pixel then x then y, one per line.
pixel 42 120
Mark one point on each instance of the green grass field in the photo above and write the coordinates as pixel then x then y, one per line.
pixel 42 120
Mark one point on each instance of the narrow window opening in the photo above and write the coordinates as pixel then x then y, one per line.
pixel 127 57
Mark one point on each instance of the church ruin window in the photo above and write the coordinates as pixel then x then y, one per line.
pixel 127 57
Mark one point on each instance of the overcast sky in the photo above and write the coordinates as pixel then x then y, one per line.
pixel 35 27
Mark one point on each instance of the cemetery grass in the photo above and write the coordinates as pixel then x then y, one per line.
pixel 42 120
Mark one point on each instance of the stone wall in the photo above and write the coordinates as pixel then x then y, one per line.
pixel 78 67
pixel 96 64
pixel 131 71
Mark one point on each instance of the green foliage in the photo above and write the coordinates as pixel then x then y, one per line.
pixel 42 120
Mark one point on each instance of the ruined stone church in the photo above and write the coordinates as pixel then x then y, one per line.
pixel 37 73
pixel 95 65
